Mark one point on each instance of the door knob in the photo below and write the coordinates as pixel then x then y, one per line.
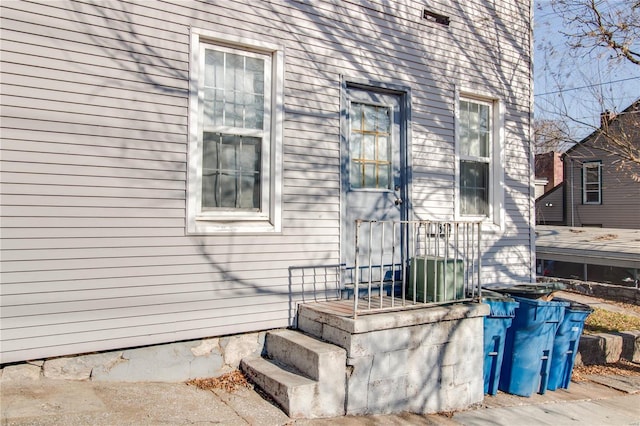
pixel 398 199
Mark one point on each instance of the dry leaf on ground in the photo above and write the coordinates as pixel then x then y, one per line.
pixel 620 368
pixel 229 382
pixel 603 321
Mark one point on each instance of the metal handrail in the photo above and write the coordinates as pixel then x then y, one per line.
pixel 426 262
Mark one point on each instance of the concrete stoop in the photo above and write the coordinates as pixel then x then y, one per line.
pixel 305 376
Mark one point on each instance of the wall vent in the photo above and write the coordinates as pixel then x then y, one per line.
pixel 438 18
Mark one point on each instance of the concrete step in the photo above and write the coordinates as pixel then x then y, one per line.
pixel 305 376
pixel 291 391
pixel 310 356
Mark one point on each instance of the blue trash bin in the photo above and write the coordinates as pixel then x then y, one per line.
pixel 529 346
pixel 495 332
pixel 565 344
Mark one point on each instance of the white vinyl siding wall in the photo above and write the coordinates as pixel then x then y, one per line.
pixel 95 108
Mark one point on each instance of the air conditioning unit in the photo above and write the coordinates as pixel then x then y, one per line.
pixel 442 279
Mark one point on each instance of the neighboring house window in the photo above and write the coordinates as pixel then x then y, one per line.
pixel 479 158
pixel 235 135
pixel 592 182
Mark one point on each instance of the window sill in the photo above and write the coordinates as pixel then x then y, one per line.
pixel 217 226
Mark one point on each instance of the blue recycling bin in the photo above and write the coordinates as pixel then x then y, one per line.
pixel 495 332
pixel 565 344
pixel 529 346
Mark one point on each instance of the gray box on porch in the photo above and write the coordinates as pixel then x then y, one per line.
pixel 444 279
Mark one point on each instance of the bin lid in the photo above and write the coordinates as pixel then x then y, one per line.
pixel 494 295
pixel 575 306
pixel 531 291
pixel 501 305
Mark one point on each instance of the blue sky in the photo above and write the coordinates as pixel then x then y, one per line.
pixel 577 87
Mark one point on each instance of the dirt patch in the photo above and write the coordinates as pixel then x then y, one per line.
pixel 606 237
pixel 620 368
pixel 228 382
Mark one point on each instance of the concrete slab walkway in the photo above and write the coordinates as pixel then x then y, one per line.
pixel 62 402
pixel 602 400
pixel 595 302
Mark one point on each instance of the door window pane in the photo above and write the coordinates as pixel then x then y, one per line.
pixel 370 146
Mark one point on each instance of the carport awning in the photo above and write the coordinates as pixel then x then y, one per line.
pixel 595 246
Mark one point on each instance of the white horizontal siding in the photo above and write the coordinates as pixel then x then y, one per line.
pixel 94 159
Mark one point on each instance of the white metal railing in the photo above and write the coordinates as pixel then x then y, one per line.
pixel 406 263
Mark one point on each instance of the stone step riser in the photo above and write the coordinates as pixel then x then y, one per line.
pixel 305 376
pixel 291 392
pixel 313 358
pixel 606 348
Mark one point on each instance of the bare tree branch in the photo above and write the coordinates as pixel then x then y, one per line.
pixel 602 24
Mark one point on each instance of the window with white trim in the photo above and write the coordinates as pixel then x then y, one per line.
pixel 592 182
pixel 479 171
pixel 235 135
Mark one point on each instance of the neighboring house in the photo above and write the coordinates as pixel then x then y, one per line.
pixel 181 170
pixel 549 183
pixel 550 207
pixel 601 189
pixel 548 167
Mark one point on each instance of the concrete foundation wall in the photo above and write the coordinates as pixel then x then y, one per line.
pixel 174 362
pixel 423 361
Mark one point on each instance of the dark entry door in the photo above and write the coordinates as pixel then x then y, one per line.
pixel 374 178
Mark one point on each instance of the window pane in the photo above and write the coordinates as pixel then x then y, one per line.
pixel 369 147
pixel 474 129
pixel 383 148
pixel 250 155
pixel 234 70
pixel 228 146
pixel 250 198
pixel 483 144
pixel 370 180
pixel 231 171
pixel 356 175
pixel 383 120
pixel 210 170
pixel 591 183
pixel 369 117
pixel 384 176
pixel 355 146
pixel 592 187
pixel 593 197
pixel 253 111
pixel 234 90
pixel 592 175
pixel 474 189
pixel 213 68
pixel 356 116
pixel 228 190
